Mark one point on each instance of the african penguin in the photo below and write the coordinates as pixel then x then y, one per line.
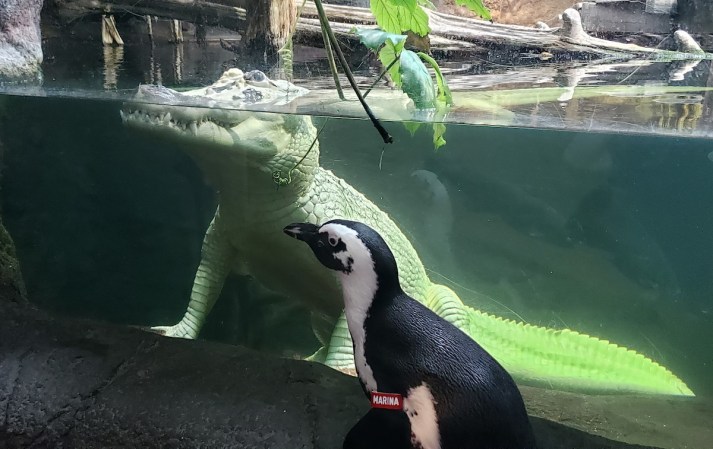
pixel 431 386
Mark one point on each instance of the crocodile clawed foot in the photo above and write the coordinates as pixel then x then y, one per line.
pixel 175 331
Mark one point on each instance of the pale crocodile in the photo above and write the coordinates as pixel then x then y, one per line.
pixel 244 154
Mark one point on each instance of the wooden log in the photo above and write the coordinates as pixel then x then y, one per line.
pixel 270 23
pixel 207 13
pixel 448 33
pixel 176 31
pixel 110 35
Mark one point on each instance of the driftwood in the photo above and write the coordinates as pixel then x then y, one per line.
pixel 448 33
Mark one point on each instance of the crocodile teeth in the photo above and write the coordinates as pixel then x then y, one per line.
pixel 194 128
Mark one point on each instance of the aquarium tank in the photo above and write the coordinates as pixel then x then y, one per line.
pixel 541 170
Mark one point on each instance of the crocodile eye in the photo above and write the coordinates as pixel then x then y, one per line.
pixel 256 77
pixel 333 241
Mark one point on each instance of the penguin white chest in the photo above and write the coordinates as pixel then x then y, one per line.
pixel 420 407
pixel 359 289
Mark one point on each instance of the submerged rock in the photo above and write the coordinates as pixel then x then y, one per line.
pixel 12 286
pixel 71 383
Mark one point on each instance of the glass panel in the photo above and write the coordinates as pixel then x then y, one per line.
pixel 563 220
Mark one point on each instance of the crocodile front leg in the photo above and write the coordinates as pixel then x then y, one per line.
pixel 216 261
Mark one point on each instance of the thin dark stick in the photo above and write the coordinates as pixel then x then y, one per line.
pixel 343 61
pixel 330 56
pixel 381 75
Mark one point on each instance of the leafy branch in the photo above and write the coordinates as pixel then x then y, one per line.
pixel 406 68
pixel 408 72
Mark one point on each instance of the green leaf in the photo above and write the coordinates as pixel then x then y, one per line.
pixel 386 15
pixel 416 82
pixel 375 38
pixel 439 129
pixel 396 16
pixel 444 92
pixel 412 127
pixel 476 6
pixel 387 54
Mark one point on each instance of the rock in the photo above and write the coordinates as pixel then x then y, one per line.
pixel 67 383
pixel 71 383
pixel 20 40
pixel 12 287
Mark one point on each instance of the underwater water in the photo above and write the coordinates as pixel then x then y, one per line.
pixel 606 234
pixel 592 229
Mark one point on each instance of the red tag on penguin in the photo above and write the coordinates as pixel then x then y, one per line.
pixel 390 401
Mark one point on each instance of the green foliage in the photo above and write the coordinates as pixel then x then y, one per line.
pixel 408 72
pixel 388 55
pixel 412 127
pixel 375 38
pixel 396 16
pixel 416 82
pixel 439 129
pixel 444 93
pixel 406 68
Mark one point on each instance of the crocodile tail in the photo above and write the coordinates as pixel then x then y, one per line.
pixel 563 359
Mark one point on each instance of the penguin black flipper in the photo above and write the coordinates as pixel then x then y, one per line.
pixel 475 399
pixel 380 429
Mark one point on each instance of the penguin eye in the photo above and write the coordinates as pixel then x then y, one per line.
pixel 320 243
pixel 333 241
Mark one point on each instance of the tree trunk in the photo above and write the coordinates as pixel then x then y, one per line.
pixel 269 25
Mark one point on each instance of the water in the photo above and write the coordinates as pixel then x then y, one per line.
pixel 604 228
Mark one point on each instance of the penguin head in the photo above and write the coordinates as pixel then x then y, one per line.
pixel 351 248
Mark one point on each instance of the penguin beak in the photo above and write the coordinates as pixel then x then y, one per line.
pixel 302 231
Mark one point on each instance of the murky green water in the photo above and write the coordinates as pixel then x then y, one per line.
pixel 592 229
pixel 603 233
